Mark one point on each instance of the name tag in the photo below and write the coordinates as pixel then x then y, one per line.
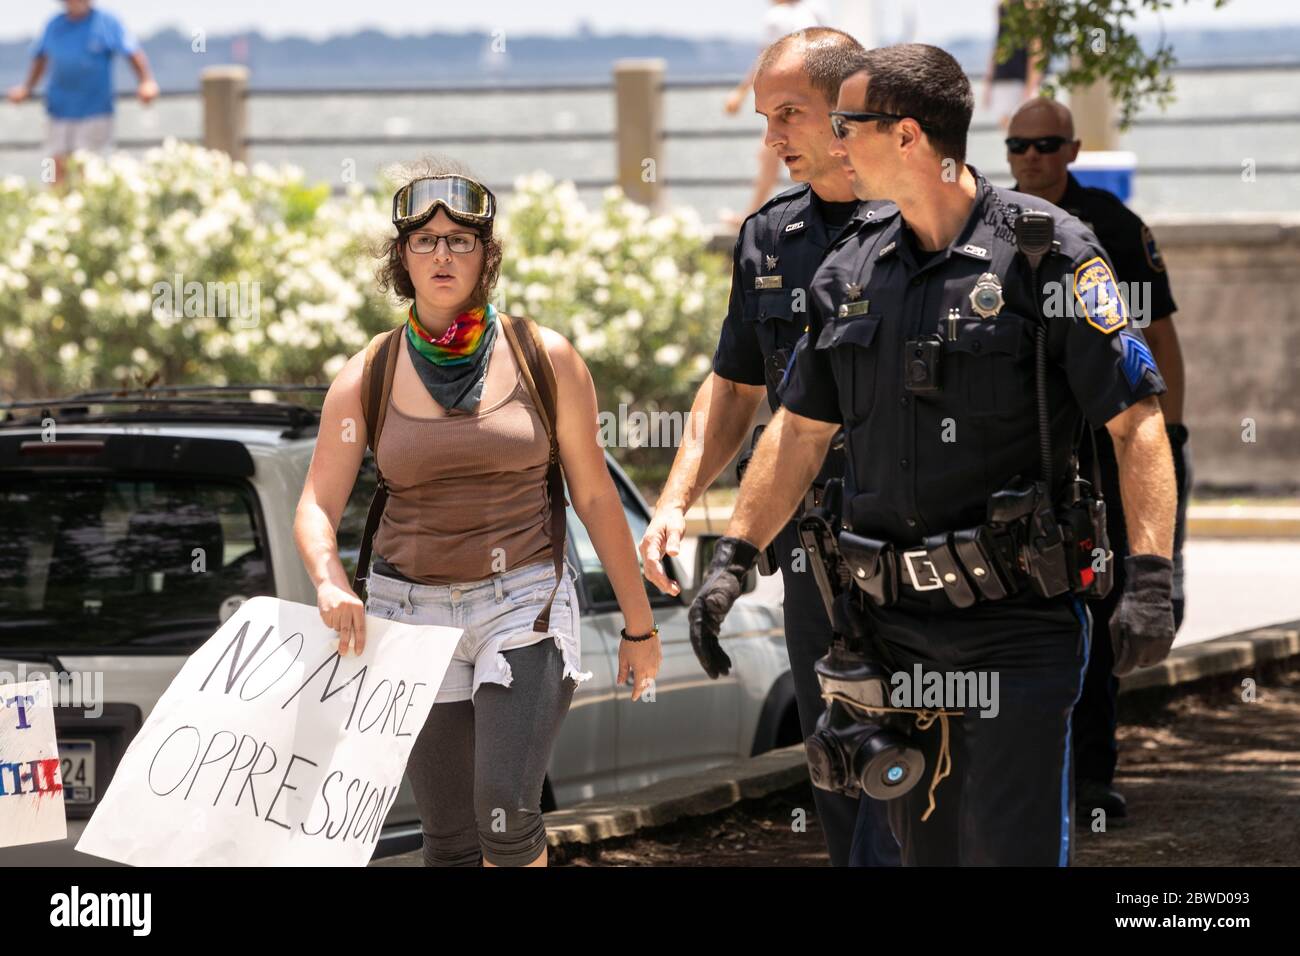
pixel 854 308
pixel 767 282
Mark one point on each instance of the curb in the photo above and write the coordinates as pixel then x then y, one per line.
pixel 660 803
pixel 1219 657
pixel 721 787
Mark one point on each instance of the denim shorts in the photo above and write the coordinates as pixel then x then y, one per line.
pixel 496 614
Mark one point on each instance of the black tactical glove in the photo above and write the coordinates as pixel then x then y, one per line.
pixel 1183 479
pixel 723 583
pixel 1142 626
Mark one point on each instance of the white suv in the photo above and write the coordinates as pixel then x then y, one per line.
pixel 98 528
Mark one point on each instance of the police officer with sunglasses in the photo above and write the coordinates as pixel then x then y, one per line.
pixel 1040 147
pixel 776 253
pixel 968 533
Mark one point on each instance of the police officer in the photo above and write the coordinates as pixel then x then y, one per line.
pixel 1040 147
pixel 775 255
pixel 922 345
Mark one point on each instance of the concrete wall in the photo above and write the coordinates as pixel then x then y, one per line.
pixel 1237 285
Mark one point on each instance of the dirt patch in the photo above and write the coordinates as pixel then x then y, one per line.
pixel 1210 779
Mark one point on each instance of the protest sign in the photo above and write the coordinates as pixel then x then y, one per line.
pixel 31 788
pixel 270 749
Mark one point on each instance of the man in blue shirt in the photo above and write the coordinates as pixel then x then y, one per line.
pixel 78 46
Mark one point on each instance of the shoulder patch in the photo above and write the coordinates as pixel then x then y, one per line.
pixel 1098 295
pixel 1154 259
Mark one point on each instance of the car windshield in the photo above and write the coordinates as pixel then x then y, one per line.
pixel 97 561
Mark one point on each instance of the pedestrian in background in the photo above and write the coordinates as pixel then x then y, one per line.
pixel 1010 83
pixel 78 47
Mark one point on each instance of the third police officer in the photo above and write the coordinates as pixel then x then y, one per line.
pixel 961 347
pixel 1040 147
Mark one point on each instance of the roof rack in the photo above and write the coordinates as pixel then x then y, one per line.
pixel 178 403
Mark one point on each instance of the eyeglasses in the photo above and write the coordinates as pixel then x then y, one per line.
pixel 422 243
pixel 1044 144
pixel 840 117
pixel 466 200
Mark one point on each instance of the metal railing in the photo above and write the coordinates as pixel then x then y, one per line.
pixel 638 88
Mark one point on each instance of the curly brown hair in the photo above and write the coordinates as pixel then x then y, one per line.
pixel 392 272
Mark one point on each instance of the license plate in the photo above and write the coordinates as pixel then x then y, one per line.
pixel 77 767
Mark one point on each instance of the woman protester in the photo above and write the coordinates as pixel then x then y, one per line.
pixel 471 533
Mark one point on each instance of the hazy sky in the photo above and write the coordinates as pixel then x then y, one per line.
pixel 935 20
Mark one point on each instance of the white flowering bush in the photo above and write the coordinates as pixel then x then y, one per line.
pixel 640 296
pixel 182 267
pixel 185 267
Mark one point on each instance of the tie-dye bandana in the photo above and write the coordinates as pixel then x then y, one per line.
pixel 453 367
pixel 458 344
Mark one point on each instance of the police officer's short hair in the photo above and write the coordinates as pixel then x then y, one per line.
pixel 830 57
pixel 925 83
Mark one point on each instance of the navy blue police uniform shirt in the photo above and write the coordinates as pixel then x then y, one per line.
pixel 921 463
pixel 1141 271
pixel 777 251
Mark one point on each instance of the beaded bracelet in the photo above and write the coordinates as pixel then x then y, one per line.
pixel 654 632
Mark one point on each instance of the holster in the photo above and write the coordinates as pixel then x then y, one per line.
pixel 1092 563
pixel 871 566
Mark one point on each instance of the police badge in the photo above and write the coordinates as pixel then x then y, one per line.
pixel 986 297
pixel 855 304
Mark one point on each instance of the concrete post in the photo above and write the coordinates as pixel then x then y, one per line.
pixel 225 109
pixel 1094 116
pixel 638 103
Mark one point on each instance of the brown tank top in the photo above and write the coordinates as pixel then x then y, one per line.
pixel 466 493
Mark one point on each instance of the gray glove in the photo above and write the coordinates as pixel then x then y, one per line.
pixel 1142 626
pixel 723 584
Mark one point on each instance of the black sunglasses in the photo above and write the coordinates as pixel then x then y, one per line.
pixel 840 117
pixel 1044 144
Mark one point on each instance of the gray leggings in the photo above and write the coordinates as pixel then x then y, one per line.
pixel 477 765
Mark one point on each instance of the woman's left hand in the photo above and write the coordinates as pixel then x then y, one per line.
pixel 642 660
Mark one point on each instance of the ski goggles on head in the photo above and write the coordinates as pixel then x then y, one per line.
pixel 465 200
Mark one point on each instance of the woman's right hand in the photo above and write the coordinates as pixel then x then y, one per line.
pixel 662 537
pixel 344 612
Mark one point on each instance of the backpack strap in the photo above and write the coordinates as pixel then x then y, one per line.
pixel 382 352
pixel 539 376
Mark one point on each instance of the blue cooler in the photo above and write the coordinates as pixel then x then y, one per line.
pixel 1111 170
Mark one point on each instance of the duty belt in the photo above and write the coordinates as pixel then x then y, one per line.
pixel 975 564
